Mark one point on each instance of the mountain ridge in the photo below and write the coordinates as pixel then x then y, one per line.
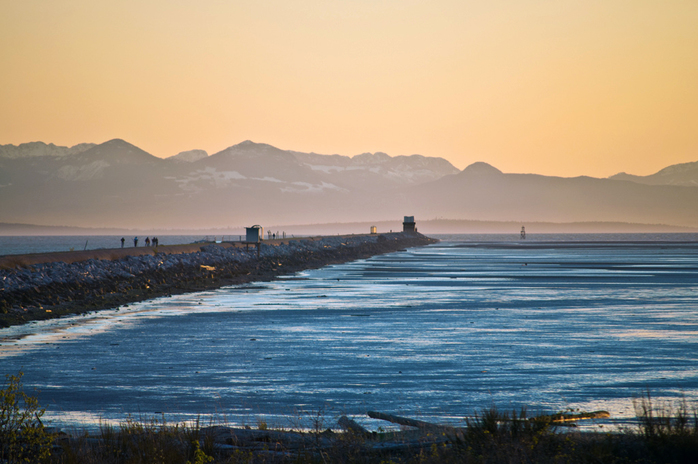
pixel 685 174
pixel 117 184
pixel 37 149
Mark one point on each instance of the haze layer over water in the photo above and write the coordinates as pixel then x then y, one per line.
pixel 436 333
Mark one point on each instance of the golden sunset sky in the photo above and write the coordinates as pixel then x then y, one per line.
pixel 554 87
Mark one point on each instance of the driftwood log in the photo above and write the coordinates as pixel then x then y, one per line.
pixel 351 425
pixel 409 422
pixel 562 417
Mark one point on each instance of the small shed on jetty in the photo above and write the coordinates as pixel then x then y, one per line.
pixel 408 225
pixel 254 234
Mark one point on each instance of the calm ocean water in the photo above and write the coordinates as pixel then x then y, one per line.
pixel 435 333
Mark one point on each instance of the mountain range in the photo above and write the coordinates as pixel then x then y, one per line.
pixel 116 184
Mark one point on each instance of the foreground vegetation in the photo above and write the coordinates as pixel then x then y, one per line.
pixel 665 434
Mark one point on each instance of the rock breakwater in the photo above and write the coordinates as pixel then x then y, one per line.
pixel 52 289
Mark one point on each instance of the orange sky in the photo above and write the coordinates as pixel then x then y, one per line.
pixel 554 87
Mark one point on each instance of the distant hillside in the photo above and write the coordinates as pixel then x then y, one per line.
pixel 377 171
pixel 33 229
pixel 117 185
pixel 427 226
pixel 484 193
pixel 39 149
pixel 189 156
pixel 685 174
pixel 460 226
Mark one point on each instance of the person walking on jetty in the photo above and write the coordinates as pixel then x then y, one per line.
pixel 123 240
pixel 147 242
pixel 135 241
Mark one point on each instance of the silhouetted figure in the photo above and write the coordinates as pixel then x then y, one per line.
pixel 123 240
pixel 156 242
pixel 147 241
pixel 135 241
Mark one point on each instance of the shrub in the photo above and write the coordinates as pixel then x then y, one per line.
pixel 147 440
pixel 500 437
pixel 670 433
pixel 23 438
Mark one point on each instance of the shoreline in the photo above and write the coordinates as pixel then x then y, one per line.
pixel 51 285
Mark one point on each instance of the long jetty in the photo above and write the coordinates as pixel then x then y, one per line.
pixel 49 285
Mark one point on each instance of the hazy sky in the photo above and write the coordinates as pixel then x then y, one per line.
pixel 553 87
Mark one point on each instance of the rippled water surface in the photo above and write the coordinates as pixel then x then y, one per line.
pixel 435 333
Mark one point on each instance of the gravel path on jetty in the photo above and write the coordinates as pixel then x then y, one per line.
pixel 55 288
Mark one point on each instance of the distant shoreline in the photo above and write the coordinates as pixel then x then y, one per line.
pixel 430 226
